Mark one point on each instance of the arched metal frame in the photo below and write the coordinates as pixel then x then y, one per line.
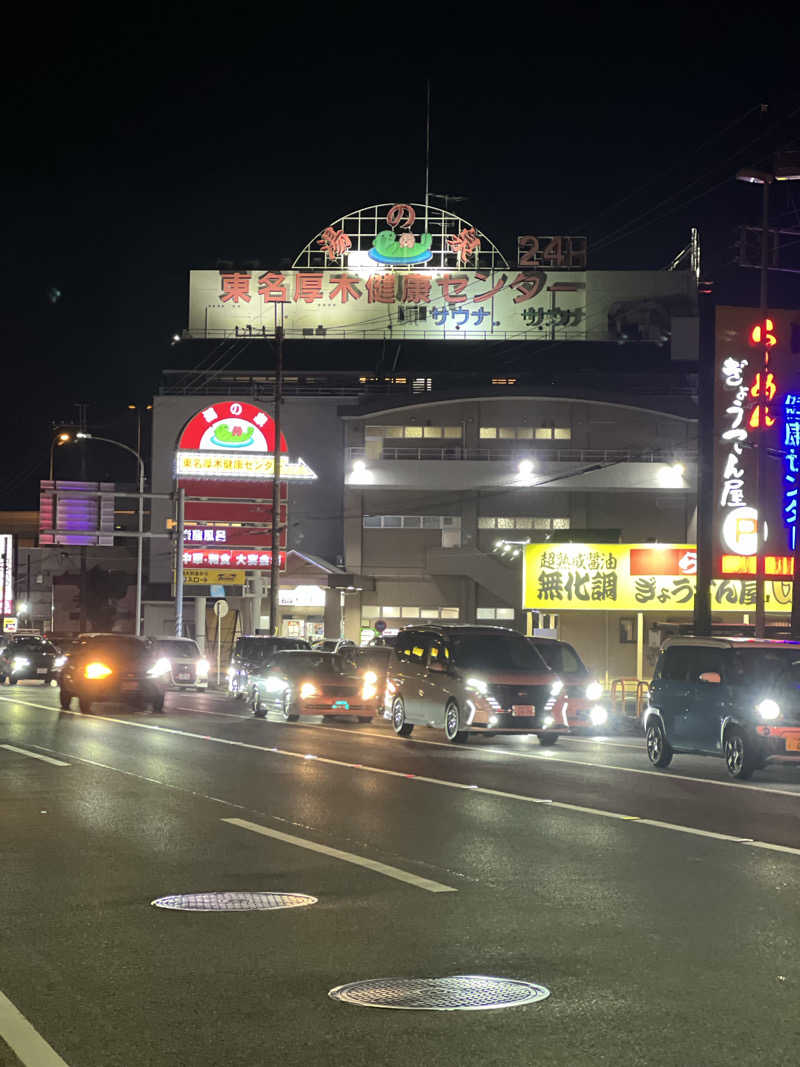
pixel 363 225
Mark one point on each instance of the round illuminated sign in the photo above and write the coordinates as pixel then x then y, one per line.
pixel 740 531
pixel 230 426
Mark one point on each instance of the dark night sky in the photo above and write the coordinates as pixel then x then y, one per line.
pixel 184 135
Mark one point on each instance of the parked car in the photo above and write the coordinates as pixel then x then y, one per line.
pixel 473 679
pixel 26 657
pixel 114 668
pixel 313 683
pixel 738 698
pixel 252 654
pixel 373 662
pixel 332 644
pixel 188 667
pixel 586 703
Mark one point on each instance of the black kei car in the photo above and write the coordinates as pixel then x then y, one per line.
pixel 26 657
pixel 252 654
pixel 114 669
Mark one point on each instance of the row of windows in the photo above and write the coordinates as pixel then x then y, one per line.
pixel 499 614
pixel 412 522
pixel 414 431
pixel 526 433
pixel 371 612
pixel 529 522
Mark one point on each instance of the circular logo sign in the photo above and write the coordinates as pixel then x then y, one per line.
pixel 231 425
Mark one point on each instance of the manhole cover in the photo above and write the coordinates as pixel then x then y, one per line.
pixel 233 901
pixel 458 992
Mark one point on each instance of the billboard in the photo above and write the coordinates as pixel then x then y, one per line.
pixel 631 578
pixel 68 506
pixel 7 574
pixel 749 414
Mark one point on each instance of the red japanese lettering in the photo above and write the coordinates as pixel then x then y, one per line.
pixel 416 289
pixel 272 287
pixel 346 286
pixel 380 289
pixel 307 287
pixel 235 286
pixel 453 286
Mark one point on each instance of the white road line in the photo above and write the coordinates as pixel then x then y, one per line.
pixel 348 857
pixel 552 757
pixel 35 755
pixel 29 1045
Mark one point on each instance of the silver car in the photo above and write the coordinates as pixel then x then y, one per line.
pixel 473 679
pixel 188 668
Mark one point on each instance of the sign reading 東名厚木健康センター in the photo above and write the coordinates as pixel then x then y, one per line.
pixel 631 578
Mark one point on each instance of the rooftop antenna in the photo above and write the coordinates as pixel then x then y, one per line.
pixel 427 148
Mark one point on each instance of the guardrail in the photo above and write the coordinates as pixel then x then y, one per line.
pixel 628 697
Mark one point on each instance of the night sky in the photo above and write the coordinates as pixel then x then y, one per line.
pixel 182 136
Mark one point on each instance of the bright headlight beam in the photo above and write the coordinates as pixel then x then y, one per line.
pixel 768 709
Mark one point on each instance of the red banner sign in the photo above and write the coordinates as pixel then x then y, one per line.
pixel 232 559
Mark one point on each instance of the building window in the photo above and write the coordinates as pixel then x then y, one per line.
pixel 429 613
pixel 413 431
pixel 522 522
pixel 452 431
pixel 524 433
pixel 485 522
pixel 392 521
pixel 507 433
pixel 390 612
pixel 562 433
pixel 449 613
pixel 432 431
pixel 560 524
pixel 495 614
pixel 388 431
pixel 412 522
pixel 370 611
pixel 488 431
pixel 504 523
pixel 544 433
pixel 484 613
pixel 372 521
pixel 541 524
pixel 409 613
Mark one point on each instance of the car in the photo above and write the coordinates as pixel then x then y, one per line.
pixel 26 657
pixel 473 679
pixel 586 704
pixel 332 644
pixel 252 653
pixel 188 666
pixel 738 698
pixel 314 683
pixel 373 661
pixel 114 668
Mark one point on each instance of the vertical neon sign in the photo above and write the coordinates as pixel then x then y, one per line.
pixel 791 464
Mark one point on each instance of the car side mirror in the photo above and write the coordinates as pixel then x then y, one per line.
pixel 711 676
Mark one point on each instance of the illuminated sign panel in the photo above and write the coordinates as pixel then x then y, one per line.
pixel 7 573
pixel 636 577
pixel 213 577
pixel 236 558
pixel 254 465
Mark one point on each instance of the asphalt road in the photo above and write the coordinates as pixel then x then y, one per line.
pixel 660 908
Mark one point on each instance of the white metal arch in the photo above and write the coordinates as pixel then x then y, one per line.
pixel 362 226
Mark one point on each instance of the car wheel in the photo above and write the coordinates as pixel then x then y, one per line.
pixel 65 700
pixel 548 740
pixel 157 705
pixel 85 706
pixel 259 710
pixel 452 723
pixel 288 712
pixel 399 724
pixel 740 759
pixel 659 750
pixel 364 718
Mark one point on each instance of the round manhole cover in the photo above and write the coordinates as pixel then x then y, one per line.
pixel 233 901
pixel 459 992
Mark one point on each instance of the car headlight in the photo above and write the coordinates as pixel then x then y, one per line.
pixel 369 692
pixel 273 684
pixel 160 668
pixel 96 670
pixel 594 691
pixel 598 715
pixel 479 684
pixel 556 687
pixel 59 661
pixel 202 668
pixel 230 672
pixel 19 662
pixel 548 720
pixel 768 709
pixel 307 690
pixel 370 677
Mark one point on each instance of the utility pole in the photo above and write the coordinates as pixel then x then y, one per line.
pixel 705 461
pixel 179 564
pixel 274 575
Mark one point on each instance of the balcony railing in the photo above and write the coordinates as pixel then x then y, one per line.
pixel 550 455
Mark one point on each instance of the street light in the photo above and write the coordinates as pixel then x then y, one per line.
pixel 58 439
pixel 139 540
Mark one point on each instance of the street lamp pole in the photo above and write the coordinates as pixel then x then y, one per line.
pixel 59 439
pixel 140 539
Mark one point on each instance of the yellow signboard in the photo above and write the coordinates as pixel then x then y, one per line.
pixel 257 465
pixel 638 577
pixel 208 576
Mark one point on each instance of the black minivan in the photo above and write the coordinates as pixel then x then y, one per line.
pixel 725 696
pixel 251 654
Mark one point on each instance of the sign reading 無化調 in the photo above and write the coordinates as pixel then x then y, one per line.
pixel 631 578
pixel 406 272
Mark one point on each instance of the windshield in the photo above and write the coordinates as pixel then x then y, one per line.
pixel 259 648
pixel 126 647
pixel 561 658
pixel 495 652
pixel 178 649
pixel 369 657
pixel 766 666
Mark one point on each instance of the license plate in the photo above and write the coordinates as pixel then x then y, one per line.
pixel 129 686
pixel 41 670
pixel 522 709
pixel 341 704
pixel 793 744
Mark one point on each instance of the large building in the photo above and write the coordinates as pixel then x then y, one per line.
pixel 443 406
